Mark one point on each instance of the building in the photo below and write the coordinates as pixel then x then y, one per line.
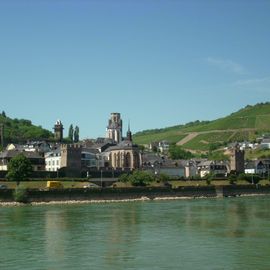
pixel 37 161
pixel 255 167
pixel 265 144
pixel 53 160
pixel 35 146
pixel 125 155
pixel 89 158
pixel 58 131
pixel 114 128
pixel 219 169
pixel 71 159
pixel 237 159
pixel 190 169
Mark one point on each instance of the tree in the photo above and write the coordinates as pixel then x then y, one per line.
pixel 176 152
pixel 70 133
pixel 76 134
pixel 137 178
pixel 19 168
pixel 4 114
pixel 141 178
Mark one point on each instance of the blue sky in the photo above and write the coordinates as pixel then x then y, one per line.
pixel 157 62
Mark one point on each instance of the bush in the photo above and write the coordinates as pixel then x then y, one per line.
pixel 20 195
pixel 124 178
pixel 162 177
pixel 232 178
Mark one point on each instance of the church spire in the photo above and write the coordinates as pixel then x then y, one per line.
pixel 129 134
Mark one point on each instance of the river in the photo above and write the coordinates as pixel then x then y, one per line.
pixel 227 233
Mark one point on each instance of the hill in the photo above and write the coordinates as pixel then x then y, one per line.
pixel 245 124
pixel 21 130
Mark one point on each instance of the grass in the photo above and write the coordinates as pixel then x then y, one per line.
pixel 42 184
pixel 174 183
pixel 258 153
pixel 171 136
pixel 204 141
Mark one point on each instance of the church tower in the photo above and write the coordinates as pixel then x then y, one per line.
pixel 114 129
pixel 58 131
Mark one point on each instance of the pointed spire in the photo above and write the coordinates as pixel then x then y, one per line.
pixel 129 134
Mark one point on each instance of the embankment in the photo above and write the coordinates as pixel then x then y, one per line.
pixel 123 194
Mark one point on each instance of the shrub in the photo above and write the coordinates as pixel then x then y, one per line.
pixel 232 178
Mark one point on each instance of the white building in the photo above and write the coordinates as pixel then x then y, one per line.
pixel 53 160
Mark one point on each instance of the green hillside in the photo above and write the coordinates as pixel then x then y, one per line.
pixel 21 130
pixel 246 124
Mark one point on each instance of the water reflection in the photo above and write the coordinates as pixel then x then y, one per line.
pixel 123 233
pixel 55 228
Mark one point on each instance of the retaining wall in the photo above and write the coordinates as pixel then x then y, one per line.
pixel 35 195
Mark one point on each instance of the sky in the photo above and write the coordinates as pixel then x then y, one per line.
pixel 157 62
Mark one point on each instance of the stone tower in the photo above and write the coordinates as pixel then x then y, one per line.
pixel 114 129
pixel 71 159
pixel 237 160
pixel 58 131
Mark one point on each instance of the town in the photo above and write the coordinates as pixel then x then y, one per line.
pixel 115 155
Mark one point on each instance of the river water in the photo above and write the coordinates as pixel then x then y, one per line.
pixel 200 234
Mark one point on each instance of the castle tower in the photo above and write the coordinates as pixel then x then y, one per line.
pixel 58 131
pixel 71 159
pixel 237 159
pixel 114 129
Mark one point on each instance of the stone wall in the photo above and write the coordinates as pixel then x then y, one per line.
pixel 137 193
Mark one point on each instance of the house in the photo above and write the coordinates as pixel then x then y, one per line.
pixel 53 160
pixel 163 147
pixel 172 168
pixel 35 146
pixel 256 167
pixel 217 168
pixel 190 168
pixel 265 144
pixel 37 161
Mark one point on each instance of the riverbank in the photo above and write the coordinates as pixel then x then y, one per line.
pixel 17 204
pixel 107 195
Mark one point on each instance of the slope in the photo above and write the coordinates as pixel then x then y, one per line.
pixel 244 124
pixel 21 130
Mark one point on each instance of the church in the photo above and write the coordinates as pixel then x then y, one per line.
pixel 125 155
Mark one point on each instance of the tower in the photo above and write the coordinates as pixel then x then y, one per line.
pixel 71 155
pixel 237 159
pixel 114 128
pixel 58 131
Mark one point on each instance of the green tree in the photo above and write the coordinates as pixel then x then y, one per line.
pixel 70 133
pixel 19 168
pixel 176 152
pixel 141 178
pixel 76 134
pixel 4 114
